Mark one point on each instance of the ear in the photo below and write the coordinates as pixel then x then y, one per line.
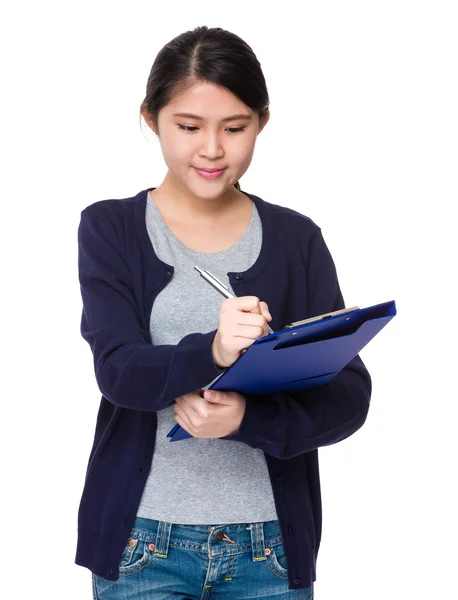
pixel 149 121
pixel 263 120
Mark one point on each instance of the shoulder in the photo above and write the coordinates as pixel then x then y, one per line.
pixel 117 218
pixel 112 224
pixel 286 220
pixel 114 208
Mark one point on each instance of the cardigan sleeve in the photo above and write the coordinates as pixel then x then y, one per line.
pixel 130 371
pixel 285 425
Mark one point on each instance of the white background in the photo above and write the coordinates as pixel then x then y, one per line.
pixel 362 139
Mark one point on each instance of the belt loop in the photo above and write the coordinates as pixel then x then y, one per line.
pixel 257 542
pixel 164 530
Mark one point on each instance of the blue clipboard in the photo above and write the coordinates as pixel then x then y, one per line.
pixel 301 357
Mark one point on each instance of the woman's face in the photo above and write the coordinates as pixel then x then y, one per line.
pixel 208 128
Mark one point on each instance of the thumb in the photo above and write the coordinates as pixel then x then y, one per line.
pixel 213 396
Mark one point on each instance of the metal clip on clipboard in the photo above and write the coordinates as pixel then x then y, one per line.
pixel 321 317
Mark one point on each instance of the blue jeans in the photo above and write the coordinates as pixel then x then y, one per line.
pixel 198 562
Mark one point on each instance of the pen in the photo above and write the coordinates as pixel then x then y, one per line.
pixel 219 286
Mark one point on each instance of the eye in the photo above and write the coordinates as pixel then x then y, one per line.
pixel 236 129
pixel 191 129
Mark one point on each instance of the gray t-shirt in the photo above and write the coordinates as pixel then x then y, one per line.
pixel 200 481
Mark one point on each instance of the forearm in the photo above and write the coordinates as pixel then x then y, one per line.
pixel 145 377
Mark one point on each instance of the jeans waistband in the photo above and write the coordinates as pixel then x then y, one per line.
pixel 216 540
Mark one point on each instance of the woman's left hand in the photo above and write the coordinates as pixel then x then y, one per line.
pixel 215 415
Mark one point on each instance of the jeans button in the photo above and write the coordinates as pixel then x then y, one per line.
pixel 219 535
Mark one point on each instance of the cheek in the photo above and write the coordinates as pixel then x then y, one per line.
pixel 176 149
pixel 242 153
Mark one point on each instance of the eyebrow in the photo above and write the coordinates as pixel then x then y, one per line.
pixel 197 118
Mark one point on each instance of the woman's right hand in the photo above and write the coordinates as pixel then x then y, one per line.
pixel 242 321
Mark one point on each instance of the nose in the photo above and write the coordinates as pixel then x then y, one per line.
pixel 211 146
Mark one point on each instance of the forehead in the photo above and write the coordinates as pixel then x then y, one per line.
pixel 207 100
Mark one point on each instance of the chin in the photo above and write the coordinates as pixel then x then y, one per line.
pixel 209 191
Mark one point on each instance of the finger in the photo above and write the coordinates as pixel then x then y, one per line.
pixel 196 405
pixel 182 422
pixel 250 319
pixel 247 332
pixel 265 311
pixel 250 331
pixel 185 415
pixel 247 303
pixel 201 407
pixel 216 397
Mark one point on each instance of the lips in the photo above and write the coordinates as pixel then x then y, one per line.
pixel 210 170
pixel 209 173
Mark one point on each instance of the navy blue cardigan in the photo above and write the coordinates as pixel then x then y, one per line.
pixel 120 276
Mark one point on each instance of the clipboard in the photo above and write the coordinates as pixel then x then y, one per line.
pixel 304 355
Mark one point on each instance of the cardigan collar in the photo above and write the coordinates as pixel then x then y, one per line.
pixel 268 233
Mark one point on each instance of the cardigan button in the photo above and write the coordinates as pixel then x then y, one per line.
pixel 297 581
pixel 168 274
pixel 290 529
pixel 239 276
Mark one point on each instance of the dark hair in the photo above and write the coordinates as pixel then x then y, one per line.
pixel 202 54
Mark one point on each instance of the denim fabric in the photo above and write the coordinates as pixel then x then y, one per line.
pixel 197 562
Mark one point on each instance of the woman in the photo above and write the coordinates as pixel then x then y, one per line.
pixel 234 511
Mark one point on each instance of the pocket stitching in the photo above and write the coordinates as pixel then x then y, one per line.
pixel 274 566
pixel 126 556
pixel 146 558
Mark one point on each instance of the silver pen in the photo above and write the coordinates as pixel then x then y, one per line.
pixel 219 286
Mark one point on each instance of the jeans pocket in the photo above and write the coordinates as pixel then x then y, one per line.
pixel 276 561
pixel 136 555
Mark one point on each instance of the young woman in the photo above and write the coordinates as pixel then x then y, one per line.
pixel 233 511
